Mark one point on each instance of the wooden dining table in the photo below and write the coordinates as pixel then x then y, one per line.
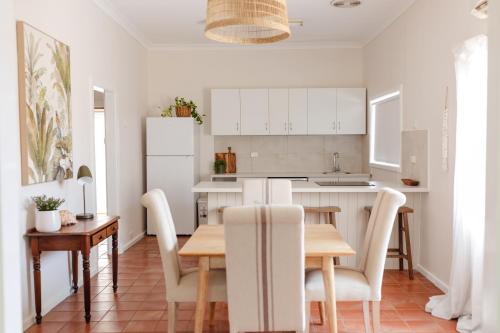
pixel 322 242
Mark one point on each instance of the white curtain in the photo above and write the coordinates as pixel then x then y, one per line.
pixel 463 300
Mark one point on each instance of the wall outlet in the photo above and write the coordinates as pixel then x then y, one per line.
pixel 413 159
pixel 254 154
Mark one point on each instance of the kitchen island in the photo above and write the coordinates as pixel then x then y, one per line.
pixel 351 221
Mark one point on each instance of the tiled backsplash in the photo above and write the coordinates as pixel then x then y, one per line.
pixel 293 153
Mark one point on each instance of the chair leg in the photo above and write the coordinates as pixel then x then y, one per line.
pixel 172 308
pixel 322 313
pixel 211 314
pixel 333 221
pixel 366 316
pixel 376 316
pixel 408 245
pixel 400 239
pixel 308 316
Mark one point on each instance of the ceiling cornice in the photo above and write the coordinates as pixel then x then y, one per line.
pixel 275 46
pixel 110 10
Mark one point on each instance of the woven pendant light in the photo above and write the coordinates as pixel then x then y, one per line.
pixel 247 21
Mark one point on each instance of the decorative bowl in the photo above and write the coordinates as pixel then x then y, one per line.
pixel 410 182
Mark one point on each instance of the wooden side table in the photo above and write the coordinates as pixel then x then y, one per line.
pixel 79 237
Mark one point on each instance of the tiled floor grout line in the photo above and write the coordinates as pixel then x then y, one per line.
pixel 140 305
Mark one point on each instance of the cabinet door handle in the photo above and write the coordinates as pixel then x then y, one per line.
pixel 237 126
pixel 285 126
pixel 290 126
pixel 338 126
pixel 266 127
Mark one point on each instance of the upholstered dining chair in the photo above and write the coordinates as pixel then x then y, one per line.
pixel 265 268
pixel 181 284
pixel 267 191
pixel 365 283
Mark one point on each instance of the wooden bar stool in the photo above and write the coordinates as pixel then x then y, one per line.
pixel 329 213
pixel 403 227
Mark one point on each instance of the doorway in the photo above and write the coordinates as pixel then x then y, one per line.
pixel 100 166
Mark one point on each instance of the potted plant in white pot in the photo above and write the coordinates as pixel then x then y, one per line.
pixel 47 218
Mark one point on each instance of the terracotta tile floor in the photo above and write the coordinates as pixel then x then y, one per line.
pixel 140 306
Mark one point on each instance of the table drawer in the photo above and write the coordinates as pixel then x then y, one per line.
pixel 99 237
pixel 112 229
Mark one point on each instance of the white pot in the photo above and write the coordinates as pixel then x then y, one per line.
pixel 48 221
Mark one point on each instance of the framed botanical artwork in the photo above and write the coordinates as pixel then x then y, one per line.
pixel 44 106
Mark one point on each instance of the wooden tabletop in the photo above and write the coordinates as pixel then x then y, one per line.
pixel 320 240
pixel 82 228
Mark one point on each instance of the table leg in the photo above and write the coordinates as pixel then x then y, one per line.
pixel 86 278
pixel 74 264
pixel 328 280
pixel 37 279
pixel 114 241
pixel 201 300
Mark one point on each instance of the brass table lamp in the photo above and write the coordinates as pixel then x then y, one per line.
pixel 84 177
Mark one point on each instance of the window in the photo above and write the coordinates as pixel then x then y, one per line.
pixel 385 131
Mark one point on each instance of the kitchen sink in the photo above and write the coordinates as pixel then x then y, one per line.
pixel 345 183
pixel 336 173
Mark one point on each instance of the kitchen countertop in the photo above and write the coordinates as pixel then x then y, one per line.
pixel 309 187
pixel 291 174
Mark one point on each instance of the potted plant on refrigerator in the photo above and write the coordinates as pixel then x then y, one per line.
pixel 183 108
pixel 47 218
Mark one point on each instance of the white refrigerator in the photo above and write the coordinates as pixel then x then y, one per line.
pixel 173 166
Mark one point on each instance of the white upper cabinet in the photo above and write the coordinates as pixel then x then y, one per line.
pixel 351 111
pixel 294 111
pixel 225 113
pixel 322 111
pixel 297 114
pixel 254 111
pixel 278 111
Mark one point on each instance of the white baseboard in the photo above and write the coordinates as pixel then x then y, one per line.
pixel 434 279
pixel 48 304
pixel 131 242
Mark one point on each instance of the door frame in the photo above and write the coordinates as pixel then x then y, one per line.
pixel 112 147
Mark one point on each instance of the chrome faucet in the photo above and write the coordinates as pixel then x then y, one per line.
pixel 336 163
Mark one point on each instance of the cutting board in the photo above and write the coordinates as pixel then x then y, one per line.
pixel 230 159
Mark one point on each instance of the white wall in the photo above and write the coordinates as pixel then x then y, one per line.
pixel 10 177
pixel 491 296
pixel 192 73
pixel 416 51
pixel 102 54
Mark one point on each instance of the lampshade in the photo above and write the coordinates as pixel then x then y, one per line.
pixel 84 175
pixel 247 21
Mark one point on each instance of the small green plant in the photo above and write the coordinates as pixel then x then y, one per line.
pixel 180 102
pixel 44 204
pixel 220 166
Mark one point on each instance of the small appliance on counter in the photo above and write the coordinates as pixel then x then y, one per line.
pixel 202 210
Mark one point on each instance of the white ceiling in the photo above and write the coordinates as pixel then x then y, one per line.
pixel 179 23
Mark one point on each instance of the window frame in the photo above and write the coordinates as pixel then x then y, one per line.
pixel 389 95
